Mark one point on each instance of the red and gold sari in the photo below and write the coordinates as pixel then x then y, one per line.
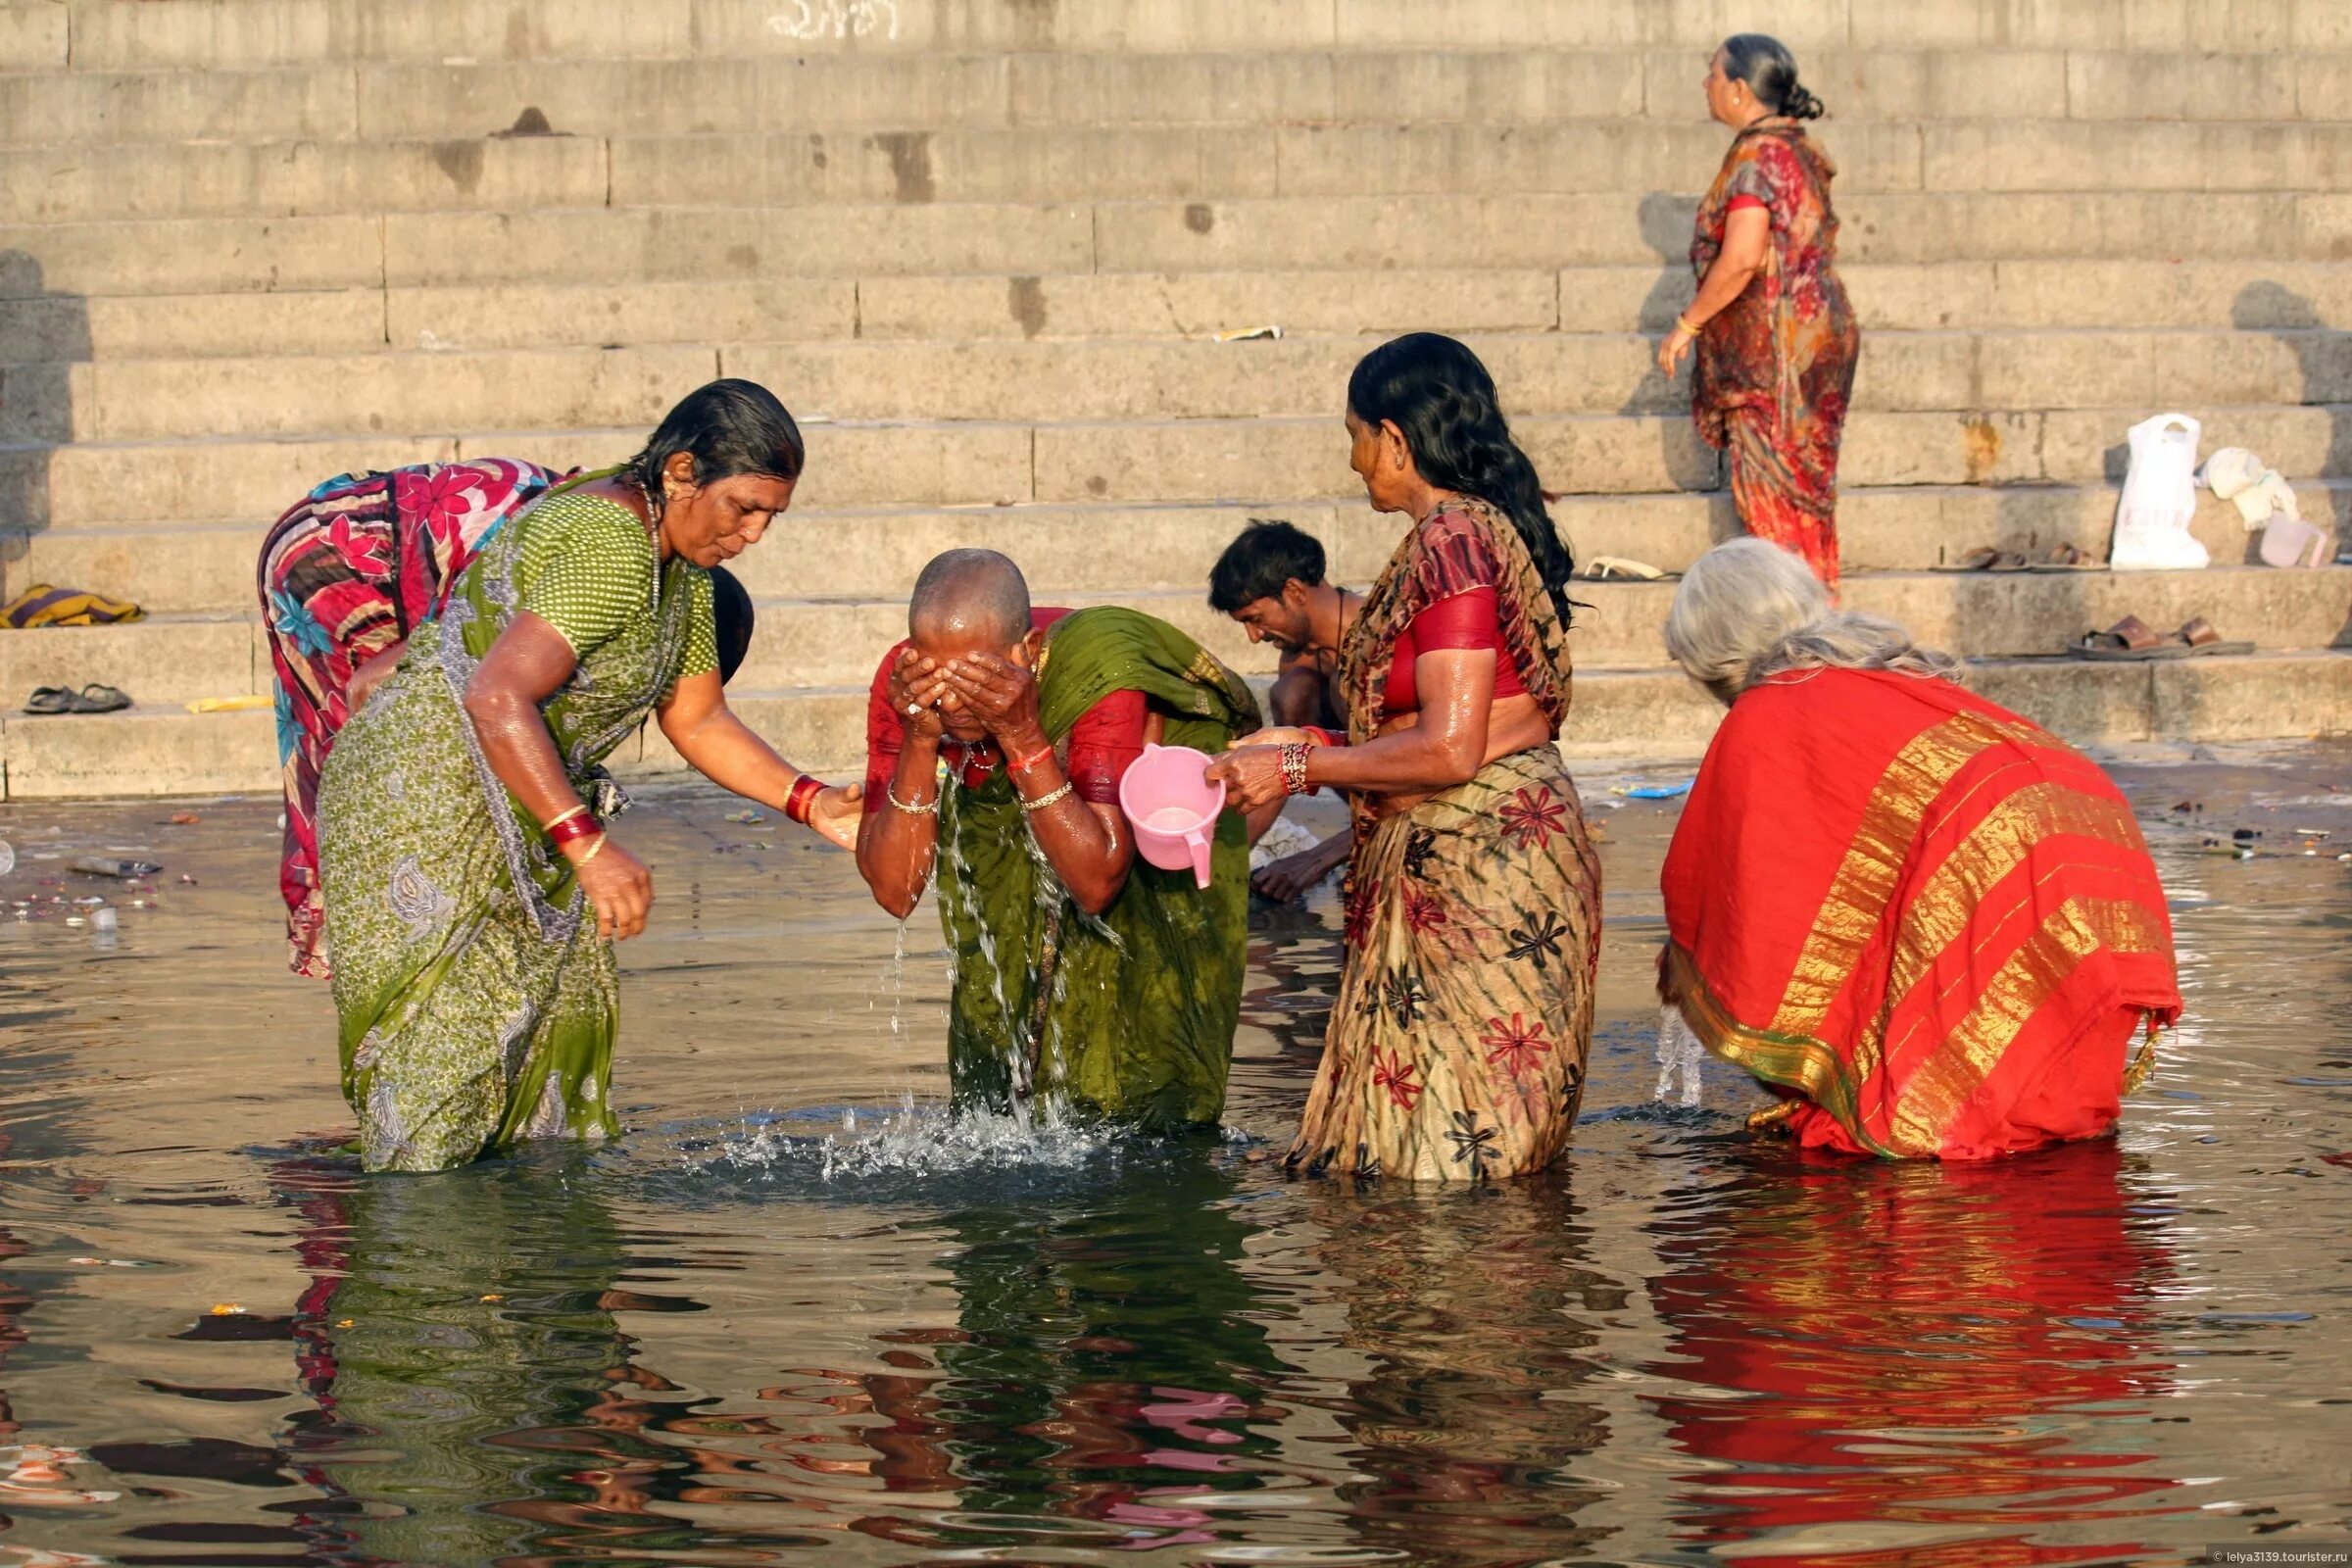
pixel 1775 367
pixel 1930 925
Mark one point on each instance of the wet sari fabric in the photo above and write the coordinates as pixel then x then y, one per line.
pixel 1930 925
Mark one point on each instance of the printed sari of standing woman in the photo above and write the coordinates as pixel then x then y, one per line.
pixel 1456 1050
pixel 473 887
pixel 1928 925
pixel 1088 982
pixel 1777 339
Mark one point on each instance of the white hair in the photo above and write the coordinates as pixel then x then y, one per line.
pixel 1748 609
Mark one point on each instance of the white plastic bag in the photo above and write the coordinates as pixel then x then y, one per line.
pixel 2160 499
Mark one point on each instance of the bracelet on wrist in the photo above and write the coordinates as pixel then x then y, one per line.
pixel 1048 798
pixel 929 807
pixel 572 826
pixel 801 798
pixel 1022 764
pixel 1294 768
pixel 1686 324
pixel 594 849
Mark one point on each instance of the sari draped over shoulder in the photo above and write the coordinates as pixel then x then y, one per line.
pixel 1456 1048
pixel 1127 1017
pixel 1775 368
pixel 1928 924
pixel 478 1005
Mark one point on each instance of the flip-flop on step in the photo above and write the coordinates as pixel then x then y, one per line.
pixel 2066 558
pixel 2129 640
pixel 97 699
pixel 1984 559
pixel 2200 638
pixel 1610 568
pixel 48 699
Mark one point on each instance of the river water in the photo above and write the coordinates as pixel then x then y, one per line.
pixel 792 1318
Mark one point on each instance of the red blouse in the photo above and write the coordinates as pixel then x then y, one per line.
pixel 1461 620
pixel 1105 740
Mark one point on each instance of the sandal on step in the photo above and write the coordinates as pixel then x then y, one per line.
pixel 2129 640
pixel 1984 559
pixel 47 699
pixel 97 699
pixel 2066 558
pixel 1609 569
pixel 2200 638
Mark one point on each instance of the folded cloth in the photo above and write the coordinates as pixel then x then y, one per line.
pixel 44 606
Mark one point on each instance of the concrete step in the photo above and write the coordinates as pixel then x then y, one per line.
pixel 72 183
pixel 871 92
pixel 2139 295
pixel 1041 383
pixel 136 34
pixel 1645 711
pixel 1265 461
pixel 208 567
pixel 630 246
pixel 823 642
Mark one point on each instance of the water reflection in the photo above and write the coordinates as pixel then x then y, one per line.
pixel 1926 1359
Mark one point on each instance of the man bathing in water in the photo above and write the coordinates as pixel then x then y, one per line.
pixel 1272 580
pixel 1102 986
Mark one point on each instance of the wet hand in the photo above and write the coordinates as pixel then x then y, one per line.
pixel 1001 695
pixel 1290 878
pixel 837 812
pixel 913 690
pixel 1252 776
pixel 618 887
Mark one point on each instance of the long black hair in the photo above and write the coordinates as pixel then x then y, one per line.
pixel 1765 64
pixel 1442 398
pixel 728 427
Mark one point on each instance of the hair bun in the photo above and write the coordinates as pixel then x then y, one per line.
pixel 1801 104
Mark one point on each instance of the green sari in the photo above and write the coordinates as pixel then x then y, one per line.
pixel 1128 1016
pixel 478 1005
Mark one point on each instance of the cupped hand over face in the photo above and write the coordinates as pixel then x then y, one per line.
pixel 1000 694
pixel 915 689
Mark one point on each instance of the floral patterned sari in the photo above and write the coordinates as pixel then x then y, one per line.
pixel 1456 1050
pixel 1775 368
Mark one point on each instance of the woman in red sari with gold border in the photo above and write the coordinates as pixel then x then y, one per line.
pixel 1929 925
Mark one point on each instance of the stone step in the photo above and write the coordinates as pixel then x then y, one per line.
pixel 1266 461
pixel 2140 296
pixel 1115 378
pixel 722 246
pixel 1650 712
pixel 138 35
pixel 72 183
pixel 208 567
pixel 806 642
pixel 866 92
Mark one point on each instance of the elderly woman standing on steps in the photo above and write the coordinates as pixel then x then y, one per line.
pixel 473 889
pixel 1776 340
pixel 1456 1050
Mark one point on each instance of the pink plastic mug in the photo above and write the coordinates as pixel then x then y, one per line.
pixel 1173 808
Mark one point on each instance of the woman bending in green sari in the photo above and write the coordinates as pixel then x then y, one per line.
pixel 996 738
pixel 472 892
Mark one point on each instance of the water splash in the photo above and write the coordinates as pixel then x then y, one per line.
pixel 915 1139
pixel 1679 1057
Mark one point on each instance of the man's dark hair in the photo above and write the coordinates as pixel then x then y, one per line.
pixel 1269 554
pixel 732 620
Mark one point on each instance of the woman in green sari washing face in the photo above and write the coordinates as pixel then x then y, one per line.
pixel 1103 987
pixel 472 891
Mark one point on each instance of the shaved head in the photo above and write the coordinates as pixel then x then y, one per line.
pixel 969 596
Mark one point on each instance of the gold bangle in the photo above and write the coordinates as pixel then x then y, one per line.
pixel 930 808
pixel 594 849
pixel 562 817
pixel 1046 799
pixel 1686 324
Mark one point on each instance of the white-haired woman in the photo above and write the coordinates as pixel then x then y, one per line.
pixel 1926 924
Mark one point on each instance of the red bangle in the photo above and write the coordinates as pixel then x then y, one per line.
pixel 1323 737
pixel 565 830
pixel 803 796
pixel 1025 764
